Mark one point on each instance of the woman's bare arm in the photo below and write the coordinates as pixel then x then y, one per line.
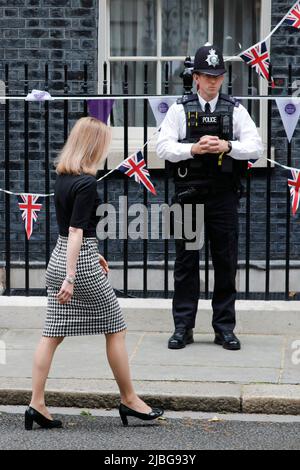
pixel 73 249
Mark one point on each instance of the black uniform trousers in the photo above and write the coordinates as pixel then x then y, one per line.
pixel 221 224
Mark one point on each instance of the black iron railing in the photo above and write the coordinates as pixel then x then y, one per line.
pixel 45 237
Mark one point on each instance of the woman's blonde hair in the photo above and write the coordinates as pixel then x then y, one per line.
pixel 86 146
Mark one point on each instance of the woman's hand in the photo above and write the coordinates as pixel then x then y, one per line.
pixel 65 293
pixel 103 263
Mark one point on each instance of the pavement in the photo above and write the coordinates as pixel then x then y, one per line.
pixel 261 378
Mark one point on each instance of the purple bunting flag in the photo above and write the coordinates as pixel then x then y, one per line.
pixel 100 109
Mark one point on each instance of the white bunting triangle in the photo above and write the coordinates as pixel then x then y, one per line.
pixel 160 106
pixel 290 112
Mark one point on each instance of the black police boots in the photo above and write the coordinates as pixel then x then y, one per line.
pixel 180 339
pixel 228 341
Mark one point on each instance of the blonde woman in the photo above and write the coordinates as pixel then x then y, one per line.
pixel 80 298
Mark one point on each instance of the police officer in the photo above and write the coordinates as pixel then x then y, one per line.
pixel 207 139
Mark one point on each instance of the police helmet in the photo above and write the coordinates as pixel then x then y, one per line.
pixel 209 60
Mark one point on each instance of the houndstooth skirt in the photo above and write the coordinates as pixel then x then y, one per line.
pixel 93 309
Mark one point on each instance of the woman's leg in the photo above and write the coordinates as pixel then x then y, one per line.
pixel 118 360
pixel 41 365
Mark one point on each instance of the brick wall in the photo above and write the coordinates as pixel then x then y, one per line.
pixel 36 32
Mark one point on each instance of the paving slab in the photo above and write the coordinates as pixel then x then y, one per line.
pixel 263 377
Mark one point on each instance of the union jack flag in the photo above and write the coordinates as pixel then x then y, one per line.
pixel 293 18
pixel 136 166
pixel 294 185
pixel 29 205
pixel 258 57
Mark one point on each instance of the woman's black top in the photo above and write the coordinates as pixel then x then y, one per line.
pixel 76 202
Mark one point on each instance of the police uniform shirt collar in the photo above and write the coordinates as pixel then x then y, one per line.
pixel 213 103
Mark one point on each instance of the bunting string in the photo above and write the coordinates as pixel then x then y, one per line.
pixel 294 7
pixel 26 194
pixel 143 97
pixel 258 56
pixel 135 166
pixel 284 167
pixel 130 156
pixel 100 179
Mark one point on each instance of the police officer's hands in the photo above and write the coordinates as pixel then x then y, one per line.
pixel 201 147
pixel 216 145
pixel 210 144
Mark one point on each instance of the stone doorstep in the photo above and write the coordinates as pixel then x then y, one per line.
pixel 219 398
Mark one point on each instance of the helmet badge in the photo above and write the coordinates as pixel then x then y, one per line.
pixel 212 58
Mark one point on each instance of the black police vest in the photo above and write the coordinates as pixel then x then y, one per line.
pixel 222 170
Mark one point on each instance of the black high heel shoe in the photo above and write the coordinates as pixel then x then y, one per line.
pixel 31 415
pixel 125 412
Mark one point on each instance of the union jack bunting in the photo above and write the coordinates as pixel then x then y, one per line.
pixel 294 185
pixel 136 166
pixel 293 18
pixel 258 57
pixel 29 205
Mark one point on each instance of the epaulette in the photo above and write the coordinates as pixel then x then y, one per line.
pixel 186 99
pixel 230 99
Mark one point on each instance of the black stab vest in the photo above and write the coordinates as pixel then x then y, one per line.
pixel 220 171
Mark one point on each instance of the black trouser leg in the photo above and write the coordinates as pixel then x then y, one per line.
pixel 221 218
pixel 186 286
